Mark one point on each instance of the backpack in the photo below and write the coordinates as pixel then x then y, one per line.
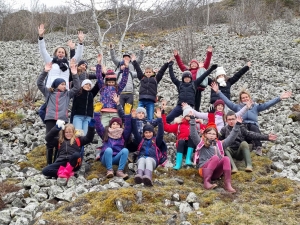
pixel 205 81
pixel 161 153
pixel 42 110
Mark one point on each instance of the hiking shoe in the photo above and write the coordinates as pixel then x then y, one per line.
pixel 122 175
pixel 258 151
pixel 249 169
pixel 109 174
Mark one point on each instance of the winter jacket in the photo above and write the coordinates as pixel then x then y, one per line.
pixel 242 134
pixel 226 90
pixel 106 91
pixel 66 150
pixel 207 152
pixel 129 85
pixel 251 116
pixel 194 72
pixel 55 71
pixel 115 144
pixel 219 121
pixel 187 91
pixel 148 149
pixel 57 101
pixel 148 85
pixel 85 75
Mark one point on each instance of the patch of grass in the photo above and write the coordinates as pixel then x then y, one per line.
pixel 5 188
pixel 36 158
pixel 9 119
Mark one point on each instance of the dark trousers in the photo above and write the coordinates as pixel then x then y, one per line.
pixel 177 111
pixel 253 127
pixel 182 145
pixel 198 100
pixel 126 98
pixel 49 153
pixel 51 170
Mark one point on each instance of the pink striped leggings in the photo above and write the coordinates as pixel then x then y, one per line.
pixel 217 165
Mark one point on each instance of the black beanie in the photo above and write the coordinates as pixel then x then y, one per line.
pixel 186 73
pixel 148 127
pixel 57 82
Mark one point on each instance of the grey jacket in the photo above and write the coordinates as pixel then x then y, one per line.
pixel 58 102
pixel 129 85
pixel 207 152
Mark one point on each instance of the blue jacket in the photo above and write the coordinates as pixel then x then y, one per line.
pixel 251 115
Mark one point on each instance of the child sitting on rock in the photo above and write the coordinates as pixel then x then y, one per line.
pixel 148 86
pixel 57 101
pixel 151 150
pixel 69 146
pixel 114 137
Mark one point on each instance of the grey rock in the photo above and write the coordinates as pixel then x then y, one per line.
pixel 119 206
pixel 45 206
pixel 185 207
pixel 192 197
pixel 22 221
pixel 41 197
pixel 98 188
pixel 68 195
pixel 18 203
pixel 5 217
pixel 176 197
pixel 61 181
pixel 54 191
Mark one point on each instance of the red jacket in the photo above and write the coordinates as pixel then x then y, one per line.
pixel 183 67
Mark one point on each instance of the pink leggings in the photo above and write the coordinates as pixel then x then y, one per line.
pixel 217 165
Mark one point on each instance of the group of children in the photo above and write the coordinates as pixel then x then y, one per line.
pixel 123 129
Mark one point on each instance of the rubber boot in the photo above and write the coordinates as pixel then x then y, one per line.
pixel 147 178
pixel 188 156
pixel 138 178
pixel 248 162
pixel 227 181
pixel 234 169
pixel 178 161
pixel 207 173
pixel 49 155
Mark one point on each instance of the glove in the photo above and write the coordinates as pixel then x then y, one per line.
pixel 213 67
pixel 98 106
pixel 60 124
pixel 127 108
pixel 211 109
pixel 92 123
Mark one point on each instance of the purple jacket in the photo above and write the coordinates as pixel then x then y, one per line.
pixel 115 144
pixel 106 92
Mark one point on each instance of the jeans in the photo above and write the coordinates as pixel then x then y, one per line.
pixel 81 123
pixel 120 159
pixel 149 108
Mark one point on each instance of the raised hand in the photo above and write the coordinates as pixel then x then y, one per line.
pixel 60 124
pixel 142 46
pixel 133 113
pixel 73 66
pixel 71 44
pixel 249 104
pixel 184 105
pixel 133 57
pixel 122 67
pixel 41 30
pixel 285 95
pixel 93 68
pixel 249 64
pixel 171 59
pixel 48 67
pixel 80 36
pixel 209 48
pixel 272 137
pixel 175 52
pixel 239 119
pixel 215 87
pixel 158 113
pixel 99 59
pixel 116 98
pixel 126 63
pixel 191 113
pixel 163 104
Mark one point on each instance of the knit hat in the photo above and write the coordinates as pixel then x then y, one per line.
pixel 186 74
pixel 126 54
pixel 86 81
pixel 141 109
pixel 186 111
pixel 148 127
pixel 211 122
pixel 195 61
pixel 115 119
pixel 110 75
pixel 83 62
pixel 219 71
pixel 57 82
pixel 219 102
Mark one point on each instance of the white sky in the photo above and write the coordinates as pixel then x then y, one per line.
pixel 49 3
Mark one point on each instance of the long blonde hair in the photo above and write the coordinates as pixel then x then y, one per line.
pixel 61 134
pixel 244 91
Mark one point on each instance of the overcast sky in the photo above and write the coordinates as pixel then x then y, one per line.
pixel 48 3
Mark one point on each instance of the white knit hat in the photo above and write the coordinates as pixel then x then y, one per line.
pixel 186 111
pixel 141 109
pixel 86 81
pixel 220 71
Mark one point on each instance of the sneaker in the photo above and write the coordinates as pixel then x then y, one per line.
pixel 258 151
pixel 109 174
pixel 122 175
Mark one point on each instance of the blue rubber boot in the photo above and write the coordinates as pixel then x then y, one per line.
pixel 178 161
pixel 188 157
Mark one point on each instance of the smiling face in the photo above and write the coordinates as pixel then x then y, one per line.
pixel 87 87
pixel 245 98
pixel 115 125
pixel 220 108
pixel 148 72
pixel 60 53
pixel 82 67
pixel 148 134
pixel 187 79
pixel 111 82
pixel 69 133
pixel 194 65
pixel 140 115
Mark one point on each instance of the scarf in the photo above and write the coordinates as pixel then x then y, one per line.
pixel 219 113
pixel 62 63
pixel 115 133
pixel 221 82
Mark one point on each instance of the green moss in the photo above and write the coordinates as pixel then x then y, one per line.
pixel 9 119
pixel 36 158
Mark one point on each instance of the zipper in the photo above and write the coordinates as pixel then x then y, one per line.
pixel 86 104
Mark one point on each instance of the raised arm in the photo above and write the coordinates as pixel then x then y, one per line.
pixel 243 110
pixel 160 132
pixel 208 57
pixel 98 125
pixel 264 106
pixel 113 57
pixel 79 49
pixel 90 134
pixel 76 83
pixel 135 132
pixel 172 75
pixel 42 46
pixel 180 64
pixel 239 74
pixel 199 80
pixel 40 81
pixel 170 128
pixel 71 45
pixel 193 131
pixel 123 81
pixel 161 72
pixel 127 127
pixel 141 54
pixel 99 76
pixel 138 69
